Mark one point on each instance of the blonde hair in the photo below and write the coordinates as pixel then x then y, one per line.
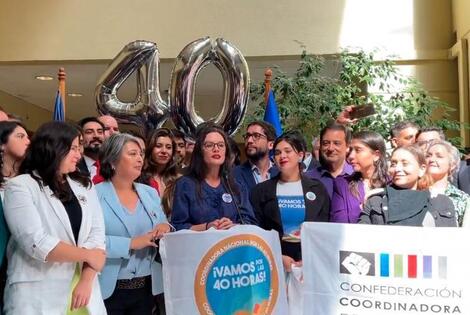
pixel 454 155
pixel 425 181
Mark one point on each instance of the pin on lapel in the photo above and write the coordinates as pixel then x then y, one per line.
pixel 311 196
pixel 227 198
pixel 82 199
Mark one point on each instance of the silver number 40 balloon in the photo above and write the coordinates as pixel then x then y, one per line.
pixel 149 110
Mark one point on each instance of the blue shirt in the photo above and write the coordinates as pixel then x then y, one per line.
pixel 213 203
pixel 257 173
pixel 291 202
pixel 323 175
pixel 140 260
pixel 246 175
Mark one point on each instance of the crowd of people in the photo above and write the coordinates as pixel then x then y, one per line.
pixel 85 205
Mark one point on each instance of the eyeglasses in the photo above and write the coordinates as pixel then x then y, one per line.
pixel 256 136
pixel 209 146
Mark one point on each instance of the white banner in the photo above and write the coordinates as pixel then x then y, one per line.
pixel 237 272
pixel 352 269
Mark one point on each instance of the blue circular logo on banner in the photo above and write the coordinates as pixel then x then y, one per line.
pixel 237 276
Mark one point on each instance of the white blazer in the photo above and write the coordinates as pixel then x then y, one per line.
pixel 38 221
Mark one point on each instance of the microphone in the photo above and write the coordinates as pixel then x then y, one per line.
pixel 225 175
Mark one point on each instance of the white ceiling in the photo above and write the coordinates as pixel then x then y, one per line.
pixel 19 80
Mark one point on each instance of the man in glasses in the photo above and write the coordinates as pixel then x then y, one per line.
pixel 426 135
pixel 259 139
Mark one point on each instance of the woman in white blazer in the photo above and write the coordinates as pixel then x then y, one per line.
pixel 14 141
pixel 57 230
pixel 134 220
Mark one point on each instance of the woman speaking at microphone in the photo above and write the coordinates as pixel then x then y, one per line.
pixel 284 202
pixel 208 197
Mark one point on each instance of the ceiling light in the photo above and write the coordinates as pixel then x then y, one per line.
pixel 44 77
pixel 75 94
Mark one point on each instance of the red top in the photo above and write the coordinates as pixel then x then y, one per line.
pixel 153 183
pixel 97 178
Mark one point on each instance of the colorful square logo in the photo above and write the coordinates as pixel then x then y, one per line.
pixel 393 265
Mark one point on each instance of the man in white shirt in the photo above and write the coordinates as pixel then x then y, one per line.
pixel 93 137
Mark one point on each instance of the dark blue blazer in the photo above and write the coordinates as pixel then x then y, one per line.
pixel 190 208
pixel 244 175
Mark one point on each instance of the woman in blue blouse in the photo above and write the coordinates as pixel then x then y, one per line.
pixel 208 197
pixel 133 221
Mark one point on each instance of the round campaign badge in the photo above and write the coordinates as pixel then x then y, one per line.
pixel 238 275
pixel 311 196
pixel 227 198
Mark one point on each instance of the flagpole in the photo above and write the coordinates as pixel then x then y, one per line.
pixel 267 83
pixel 61 76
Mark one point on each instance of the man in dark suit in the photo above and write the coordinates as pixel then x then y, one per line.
pixel 259 139
pixel 93 137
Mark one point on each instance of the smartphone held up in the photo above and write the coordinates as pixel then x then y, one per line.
pixel 362 111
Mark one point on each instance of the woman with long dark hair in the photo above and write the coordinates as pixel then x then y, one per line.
pixel 161 166
pixel 57 230
pixel 208 197
pixel 407 200
pixel 284 202
pixel 367 157
pixel 14 141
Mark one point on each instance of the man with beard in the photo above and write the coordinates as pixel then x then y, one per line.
pixel 188 151
pixel 180 149
pixel 93 137
pixel 259 139
pixel 334 143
